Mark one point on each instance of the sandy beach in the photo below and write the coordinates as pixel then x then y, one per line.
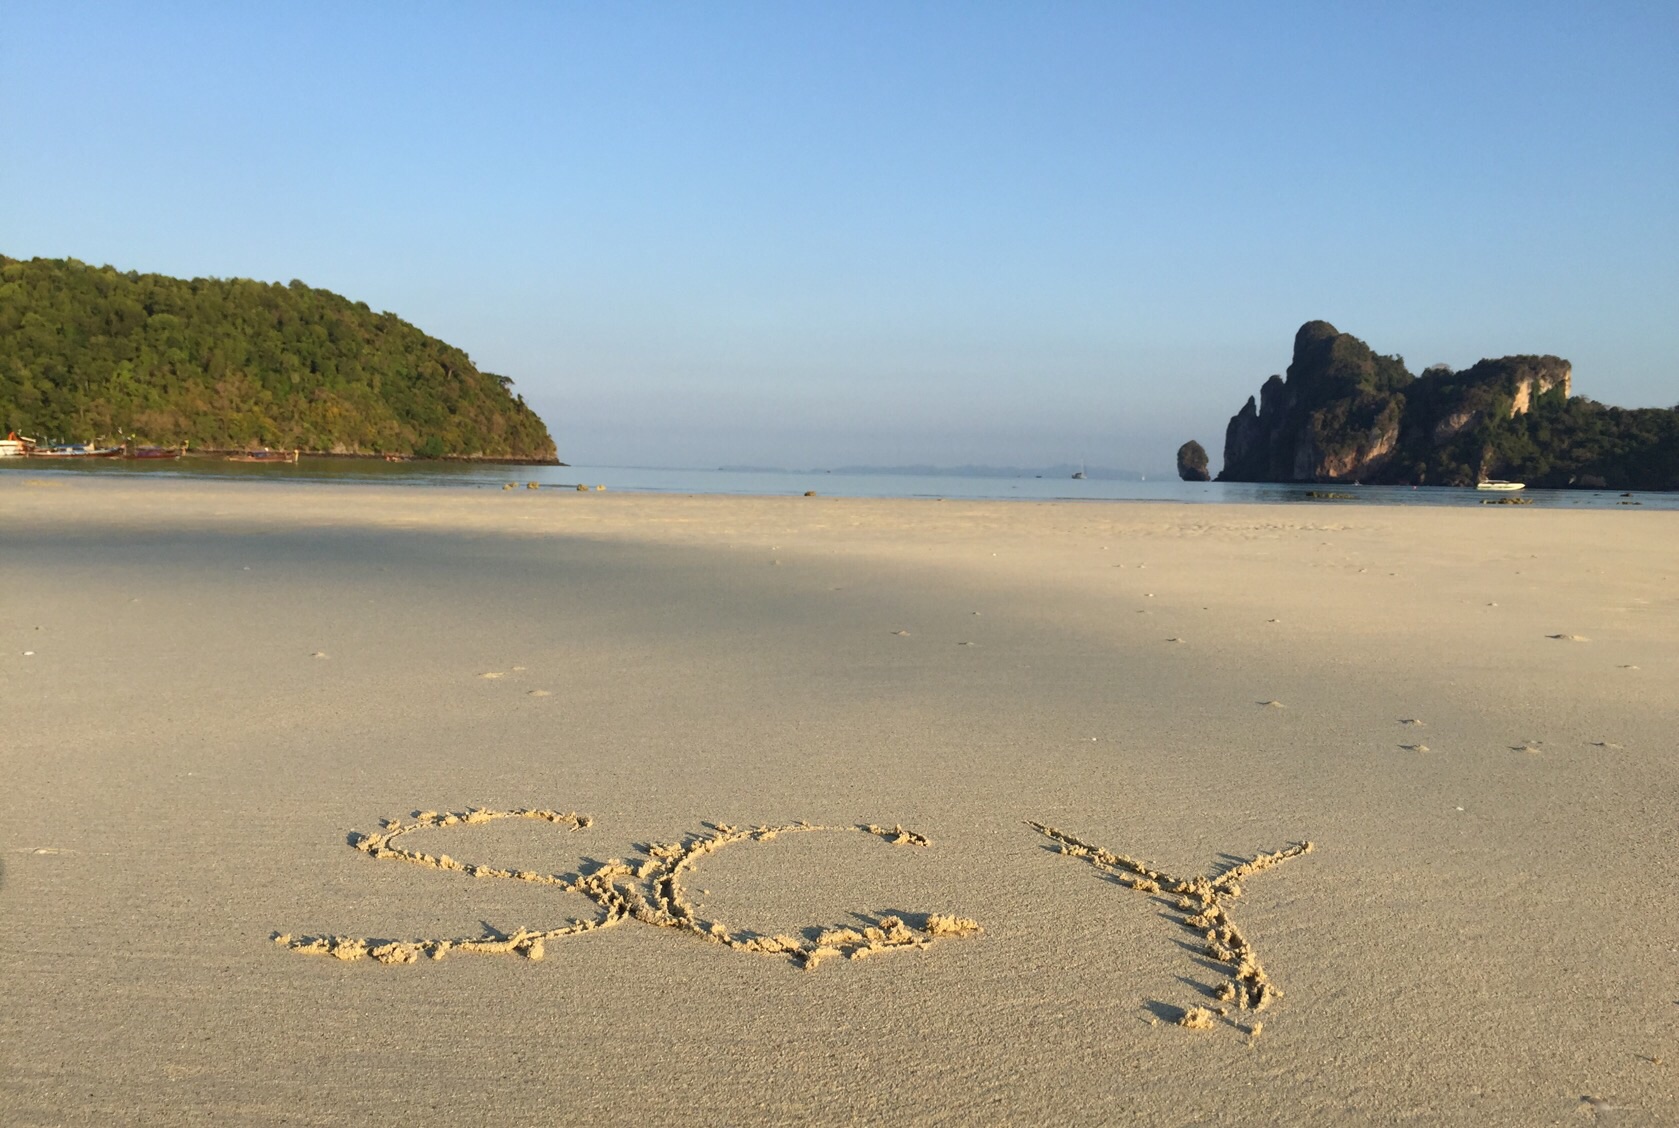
pixel 212 694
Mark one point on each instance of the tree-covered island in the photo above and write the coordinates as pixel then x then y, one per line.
pixel 1345 413
pixel 93 352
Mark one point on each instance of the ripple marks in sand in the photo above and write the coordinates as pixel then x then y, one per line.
pixel 1202 901
pixel 650 891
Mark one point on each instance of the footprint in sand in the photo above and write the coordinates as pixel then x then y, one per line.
pixel 1272 704
pixel 320 654
pixel 1174 638
pixel 1531 746
pixel 1413 721
pixel 1415 747
pixel 901 634
pixel 1602 1109
pixel 493 674
pixel 1569 638
pixel 540 693
pixel 1606 744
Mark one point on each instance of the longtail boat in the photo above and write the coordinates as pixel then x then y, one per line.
pixel 77 450
pixel 265 455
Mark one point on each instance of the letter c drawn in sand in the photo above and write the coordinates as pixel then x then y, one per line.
pixel 650 891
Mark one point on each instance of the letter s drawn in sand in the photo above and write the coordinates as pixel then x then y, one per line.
pixel 651 892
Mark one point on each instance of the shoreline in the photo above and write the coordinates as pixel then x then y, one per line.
pixel 380 456
pixel 725 484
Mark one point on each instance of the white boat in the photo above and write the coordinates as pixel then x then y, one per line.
pixel 15 445
pixel 1497 484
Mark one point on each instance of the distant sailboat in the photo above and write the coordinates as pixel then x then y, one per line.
pixel 1079 473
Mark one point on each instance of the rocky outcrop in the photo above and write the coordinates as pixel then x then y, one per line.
pixel 1344 413
pixel 1244 436
pixel 1550 372
pixel 1192 461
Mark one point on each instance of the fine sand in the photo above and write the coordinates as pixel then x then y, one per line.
pixel 333 804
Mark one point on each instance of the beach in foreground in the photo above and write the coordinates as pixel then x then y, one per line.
pixel 210 692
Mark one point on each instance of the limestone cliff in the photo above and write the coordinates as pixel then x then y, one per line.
pixel 1345 413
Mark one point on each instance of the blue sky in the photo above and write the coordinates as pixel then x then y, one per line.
pixel 880 233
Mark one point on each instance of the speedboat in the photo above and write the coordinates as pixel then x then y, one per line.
pixel 1499 484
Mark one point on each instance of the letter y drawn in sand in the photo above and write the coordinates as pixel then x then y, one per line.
pixel 1202 902
pixel 650 891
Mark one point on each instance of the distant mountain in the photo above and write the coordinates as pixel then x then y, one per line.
pixel 1347 414
pixel 1065 470
pixel 90 352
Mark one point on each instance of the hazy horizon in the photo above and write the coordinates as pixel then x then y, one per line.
pixel 950 234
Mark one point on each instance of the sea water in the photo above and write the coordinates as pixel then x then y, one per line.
pixel 825 483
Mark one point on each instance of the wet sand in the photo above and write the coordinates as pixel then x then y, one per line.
pixel 1034 744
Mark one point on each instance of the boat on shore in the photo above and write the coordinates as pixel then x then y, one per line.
pixel 265 455
pixel 1499 484
pixel 15 445
pixel 77 450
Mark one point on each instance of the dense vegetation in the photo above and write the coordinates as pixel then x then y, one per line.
pixel 1346 413
pixel 1579 442
pixel 93 353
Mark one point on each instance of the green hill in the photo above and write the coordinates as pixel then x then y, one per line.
pixel 90 352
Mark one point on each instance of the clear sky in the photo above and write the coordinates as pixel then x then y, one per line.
pixel 806 235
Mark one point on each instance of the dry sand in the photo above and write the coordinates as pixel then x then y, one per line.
pixel 212 694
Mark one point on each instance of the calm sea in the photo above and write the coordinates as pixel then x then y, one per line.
pixel 773 482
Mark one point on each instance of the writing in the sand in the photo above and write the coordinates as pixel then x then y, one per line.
pixel 651 890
